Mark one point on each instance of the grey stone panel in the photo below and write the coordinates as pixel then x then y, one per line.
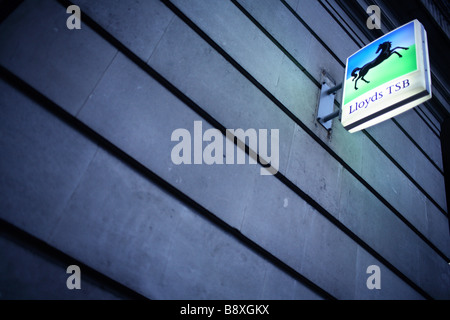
pixel 429 118
pixel 408 200
pixel 278 220
pixel 137 24
pixel 344 19
pixel 338 40
pixel 122 225
pixel 293 3
pixel 390 286
pixel 241 39
pixel 39 48
pixel 400 194
pixel 282 222
pixel 434 277
pixel 284 288
pixel 422 135
pixel 41 163
pixel 193 67
pixel 337 255
pixel 360 211
pixel 113 220
pixel 139 116
pixel 29 275
pixel 315 172
pixel 411 160
pixel 295 38
pixel 393 239
pixel 438 228
pixel 129 228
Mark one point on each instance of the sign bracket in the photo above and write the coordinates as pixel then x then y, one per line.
pixel 325 111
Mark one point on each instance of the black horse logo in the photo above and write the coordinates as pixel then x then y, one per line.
pixel 386 52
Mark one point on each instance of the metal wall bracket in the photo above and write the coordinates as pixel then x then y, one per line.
pixel 325 111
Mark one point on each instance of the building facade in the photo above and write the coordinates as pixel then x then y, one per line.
pixel 116 154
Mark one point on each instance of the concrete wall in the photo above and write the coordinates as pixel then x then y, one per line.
pixel 86 168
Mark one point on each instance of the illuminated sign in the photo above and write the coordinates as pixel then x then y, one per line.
pixel 387 77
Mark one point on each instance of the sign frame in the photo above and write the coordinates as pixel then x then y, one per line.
pixel 405 68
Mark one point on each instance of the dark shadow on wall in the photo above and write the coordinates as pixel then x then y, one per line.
pixel 7 7
pixel 445 147
pixel 32 269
